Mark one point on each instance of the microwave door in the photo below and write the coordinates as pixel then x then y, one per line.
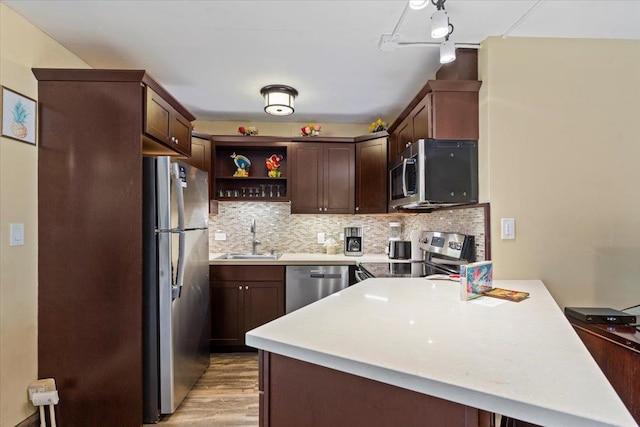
pixel 409 177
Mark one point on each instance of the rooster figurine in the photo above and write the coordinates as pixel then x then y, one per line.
pixel 242 163
pixel 273 165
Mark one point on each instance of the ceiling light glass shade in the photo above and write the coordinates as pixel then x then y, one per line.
pixel 439 24
pixel 418 4
pixel 278 99
pixel 447 52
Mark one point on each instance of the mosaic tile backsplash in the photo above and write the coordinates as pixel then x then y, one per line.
pixel 284 232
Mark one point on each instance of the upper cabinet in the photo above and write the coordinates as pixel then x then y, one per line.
pixel 371 175
pixel 445 109
pixel 148 110
pixel 164 123
pixel 322 177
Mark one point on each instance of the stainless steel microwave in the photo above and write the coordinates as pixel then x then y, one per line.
pixel 434 173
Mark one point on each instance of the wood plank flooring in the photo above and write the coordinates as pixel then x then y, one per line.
pixel 226 395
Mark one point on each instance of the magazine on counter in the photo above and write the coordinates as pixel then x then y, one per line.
pixel 475 279
pixel 507 294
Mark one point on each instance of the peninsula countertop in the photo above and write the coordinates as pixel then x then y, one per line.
pixel 522 360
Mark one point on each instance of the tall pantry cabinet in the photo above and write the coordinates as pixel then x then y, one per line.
pixel 90 320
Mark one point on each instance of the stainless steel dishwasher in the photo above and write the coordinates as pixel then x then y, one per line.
pixel 309 283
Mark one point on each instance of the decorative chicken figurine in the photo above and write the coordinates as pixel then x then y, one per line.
pixel 242 163
pixel 273 165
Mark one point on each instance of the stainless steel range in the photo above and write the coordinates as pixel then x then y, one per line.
pixel 443 253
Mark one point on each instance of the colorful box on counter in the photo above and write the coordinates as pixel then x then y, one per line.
pixel 475 279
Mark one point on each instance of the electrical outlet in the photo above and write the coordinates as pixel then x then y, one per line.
pixel 220 236
pixel 342 237
pixel 41 386
pixel 320 237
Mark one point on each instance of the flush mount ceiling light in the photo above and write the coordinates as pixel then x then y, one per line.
pixel 278 99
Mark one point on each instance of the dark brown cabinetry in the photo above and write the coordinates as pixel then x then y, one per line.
pixel 258 186
pixel 90 262
pixel 243 298
pixel 616 350
pixel 371 176
pixel 166 124
pixel 323 177
pixel 444 109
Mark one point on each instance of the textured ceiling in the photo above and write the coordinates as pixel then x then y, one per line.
pixel 214 56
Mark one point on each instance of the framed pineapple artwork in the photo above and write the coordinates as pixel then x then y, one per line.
pixel 18 116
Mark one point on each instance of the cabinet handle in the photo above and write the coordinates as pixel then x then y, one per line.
pixel 320 209
pixel 357 209
pixel 240 287
pixel 246 287
pixel 177 140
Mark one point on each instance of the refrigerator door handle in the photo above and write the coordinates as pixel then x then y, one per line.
pixel 178 187
pixel 176 289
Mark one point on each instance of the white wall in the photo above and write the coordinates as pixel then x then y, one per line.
pixel 560 153
pixel 22 46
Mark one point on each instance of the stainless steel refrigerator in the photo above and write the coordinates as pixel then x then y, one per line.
pixel 176 283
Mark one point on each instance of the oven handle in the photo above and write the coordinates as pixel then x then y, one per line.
pixel 360 276
pixel 405 162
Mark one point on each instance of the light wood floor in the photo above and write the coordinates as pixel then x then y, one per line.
pixel 226 395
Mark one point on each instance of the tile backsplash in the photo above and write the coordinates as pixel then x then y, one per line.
pixel 282 231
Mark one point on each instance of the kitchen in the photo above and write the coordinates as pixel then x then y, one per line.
pixel 544 167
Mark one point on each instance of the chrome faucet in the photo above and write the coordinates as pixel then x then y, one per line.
pixel 254 242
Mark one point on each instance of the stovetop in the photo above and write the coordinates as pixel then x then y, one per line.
pixel 406 269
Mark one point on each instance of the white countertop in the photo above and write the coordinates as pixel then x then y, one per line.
pixel 303 259
pixel 522 360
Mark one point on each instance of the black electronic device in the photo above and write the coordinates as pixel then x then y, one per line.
pixel 600 315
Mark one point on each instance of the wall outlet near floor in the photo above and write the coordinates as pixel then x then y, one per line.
pixel 320 237
pixel 342 237
pixel 507 228
pixel 220 236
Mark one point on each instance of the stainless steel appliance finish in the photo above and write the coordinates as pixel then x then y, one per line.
pixel 399 249
pixel 176 287
pixel 354 241
pixel 443 255
pixel 306 284
pixel 443 248
pixel 434 173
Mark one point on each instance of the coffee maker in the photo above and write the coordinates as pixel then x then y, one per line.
pixel 353 241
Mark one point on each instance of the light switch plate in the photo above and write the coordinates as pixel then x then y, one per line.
pixel 507 228
pixel 320 237
pixel 16 234
pixel 220 236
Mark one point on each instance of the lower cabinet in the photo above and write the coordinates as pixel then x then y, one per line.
pixel 243 297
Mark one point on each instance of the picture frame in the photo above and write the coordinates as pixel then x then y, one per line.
pixel 19 116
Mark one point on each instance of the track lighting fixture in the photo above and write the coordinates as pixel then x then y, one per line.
pixel 439 20
pixel 447 51
pixel 418 4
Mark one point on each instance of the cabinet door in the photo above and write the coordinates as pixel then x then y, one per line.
pixel 455 115
pixel 200 155
pixel 306 177
pixel 157 118
pixel 264 302
pixel 181 133
pixel 371 176
pixel 227 313
pixel 405 134
pixel 165 124
pixel 339 178
pixel 422 120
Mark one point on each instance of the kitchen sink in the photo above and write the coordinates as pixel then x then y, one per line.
pixel 249 256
